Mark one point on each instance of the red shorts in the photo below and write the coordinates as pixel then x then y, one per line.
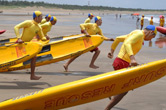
pixel 120 64
pixel 94 49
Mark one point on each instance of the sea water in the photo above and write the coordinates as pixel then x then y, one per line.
pixel 111 26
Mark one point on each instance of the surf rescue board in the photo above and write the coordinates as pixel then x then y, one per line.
pixel 88 89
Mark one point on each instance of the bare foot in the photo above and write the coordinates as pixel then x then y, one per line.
pixel 93 66
pixel 35 78
pixel 66 68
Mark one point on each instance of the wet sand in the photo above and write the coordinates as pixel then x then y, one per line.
pixel 17 83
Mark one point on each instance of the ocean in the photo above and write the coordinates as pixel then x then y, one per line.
pixel 111 26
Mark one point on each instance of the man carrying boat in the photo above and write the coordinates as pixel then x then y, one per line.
pixel 31 28
pixel 46 27
pixel 47 19
pixel 91 29
pixel 90 17
pixel 132 43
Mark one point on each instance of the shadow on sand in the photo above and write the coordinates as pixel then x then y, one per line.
pixel 22 85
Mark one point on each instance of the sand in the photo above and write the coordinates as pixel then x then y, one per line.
pixel 16 83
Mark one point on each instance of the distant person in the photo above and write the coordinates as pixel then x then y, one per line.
pixel 30 28
pixel 120 16
pixel 162 21
pixel 151 20
pixel 46 19
pixel 90 17
pixel 116 15
pixel 137 22
pixel 46 27
pixel 142 22
pixel 132 43
pixel 132 16
pixel 91 29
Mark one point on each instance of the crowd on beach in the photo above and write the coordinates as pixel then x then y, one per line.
pixel 132 42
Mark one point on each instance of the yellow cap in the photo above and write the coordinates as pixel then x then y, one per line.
pixel 97 18
pixel 36 14
pixel 48 15
pixel 53 18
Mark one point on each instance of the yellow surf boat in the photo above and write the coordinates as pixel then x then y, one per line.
pixel 35 39
pixel 88 89
pixel 13 54
pixel 62 48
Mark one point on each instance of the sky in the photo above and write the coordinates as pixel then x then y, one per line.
pixel 143 4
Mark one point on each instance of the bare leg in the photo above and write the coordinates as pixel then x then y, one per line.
pixel 67 64
pixel 141 27
pixel 115 100
pixel 33 62
pixel 96 54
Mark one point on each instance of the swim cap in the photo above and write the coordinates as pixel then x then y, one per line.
pixel 53 18
pixel 97 18
pixel 48 15
pixel 36 14
pixel 152 27
pixel 90 14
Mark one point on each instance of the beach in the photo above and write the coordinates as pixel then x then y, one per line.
pixel 17 83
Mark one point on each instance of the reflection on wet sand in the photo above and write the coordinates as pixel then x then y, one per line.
pixel 161 41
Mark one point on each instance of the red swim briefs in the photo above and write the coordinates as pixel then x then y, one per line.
pixel 120 64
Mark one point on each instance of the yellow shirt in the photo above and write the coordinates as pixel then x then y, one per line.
pixel 162 21
pixel 132 43
pixel 151 22
pixel 46 27
pixel 142 21
pixel 92 29
pixel 87 20
pixel 30 29
pixel 43 21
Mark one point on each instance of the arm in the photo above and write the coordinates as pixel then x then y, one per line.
pixel 117 41
pixel 110 54
pixel 16 30
pixel 21 25
pixel 105 38
pixel 83 28
pixel 114 45
pixel 41 35
pixel 133 61
pixel 45 28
